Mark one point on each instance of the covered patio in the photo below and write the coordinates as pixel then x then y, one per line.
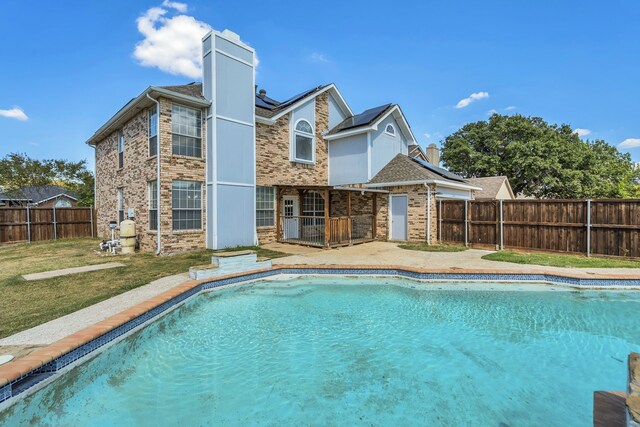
pixel 326 216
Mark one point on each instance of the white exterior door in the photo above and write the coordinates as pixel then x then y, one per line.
pixel 399 209
pixel 291 212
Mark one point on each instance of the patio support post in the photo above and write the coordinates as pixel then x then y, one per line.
pixel 349 216
pixel 300 196
pixel 589 227
pixel 327 231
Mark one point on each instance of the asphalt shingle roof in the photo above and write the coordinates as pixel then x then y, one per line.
pixel 38 194
pixel 192 89
pixel 403 168
pixel 490 186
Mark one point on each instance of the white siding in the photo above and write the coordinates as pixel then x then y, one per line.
pixel 335 113
pixel 348 160
pixel 385 147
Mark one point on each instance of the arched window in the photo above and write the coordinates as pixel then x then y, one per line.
pixel 303 139
pixel 63 203
pixel 390 130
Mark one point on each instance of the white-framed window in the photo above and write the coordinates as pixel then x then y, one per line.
pixel 186 205
pixel 153 131
pixel 303 149
pixel 265 206
pixel 186 129
pixel 390 130
pixel 120 205
pixel 312 204
pixel 62 203
pixel 153 205
pixel 120 149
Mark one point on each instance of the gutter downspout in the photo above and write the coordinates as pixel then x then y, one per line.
pixel 428 214
pixel 158 231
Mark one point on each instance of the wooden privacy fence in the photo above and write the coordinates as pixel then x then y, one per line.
pixel 22 224
pixel 601 227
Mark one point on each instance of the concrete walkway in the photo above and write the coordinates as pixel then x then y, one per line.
pixel 61 327
pixel 387 253
pixel 73 270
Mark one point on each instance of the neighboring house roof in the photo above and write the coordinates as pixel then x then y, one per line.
pixel 491 185
pixel 369 120
pixel 404 170
pixel 39 195
pixel 189 94
pixel 415 151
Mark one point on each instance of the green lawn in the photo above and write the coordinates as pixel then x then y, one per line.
pixel 559 260
pixel 432 248
pixel 26 304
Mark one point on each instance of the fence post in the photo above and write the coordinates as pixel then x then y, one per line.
pixel 28 225
pixel 55 225
pixel 91 219
pixel 501 227
pixel 589 227
pixel 440 222
pixel 466 223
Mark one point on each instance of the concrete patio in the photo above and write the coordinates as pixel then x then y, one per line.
pixel 388 253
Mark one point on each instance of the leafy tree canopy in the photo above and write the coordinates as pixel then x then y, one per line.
pixel 540 159
pixel 17 170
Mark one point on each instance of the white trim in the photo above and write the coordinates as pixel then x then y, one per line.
pixel 406 227
pixel 229 119
pixel 47 199
pixel 293 143
pixel 349 133
pixel 235 58
pixel 340 101
pixel 393 132
pixel 423 181
pixel 397 115
pixel 235 184
pixel 452 197
pixel 369 151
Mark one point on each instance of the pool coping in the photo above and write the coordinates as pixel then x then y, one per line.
pixel 23 374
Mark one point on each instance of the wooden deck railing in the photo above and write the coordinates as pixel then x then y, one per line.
pixel 311 231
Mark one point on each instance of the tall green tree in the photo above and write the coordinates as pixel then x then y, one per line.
pixel 540 159
pixel 18 170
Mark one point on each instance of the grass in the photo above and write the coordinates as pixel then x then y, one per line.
pixel 432 248
pixel 26 304
pixel 559 260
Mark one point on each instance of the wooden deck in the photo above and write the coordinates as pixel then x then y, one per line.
pixel 609 409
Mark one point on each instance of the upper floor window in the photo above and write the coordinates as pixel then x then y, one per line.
pixel 120 149
pixel 304 142
pixel 186 205
pixel 186 127
pixel 153 131
pixel 390 130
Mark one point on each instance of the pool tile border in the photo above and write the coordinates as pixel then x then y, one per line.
pixel 19 376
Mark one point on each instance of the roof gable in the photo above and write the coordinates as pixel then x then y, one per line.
pixel 491 186
pixel 369 120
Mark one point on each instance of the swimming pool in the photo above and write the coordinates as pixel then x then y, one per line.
pixel 384 351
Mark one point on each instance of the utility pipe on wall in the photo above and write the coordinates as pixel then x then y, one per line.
pixel 158 228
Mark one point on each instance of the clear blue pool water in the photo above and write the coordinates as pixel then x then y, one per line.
pixel 383 352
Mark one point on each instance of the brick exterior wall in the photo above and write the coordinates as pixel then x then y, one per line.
pixel 273 166
pixel 133 178
pixel 416 212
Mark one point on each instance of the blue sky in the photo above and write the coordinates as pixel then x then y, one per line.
pixel 68 66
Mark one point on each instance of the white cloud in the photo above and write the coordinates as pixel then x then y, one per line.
pixel 471 98
pixel 492 112
pixel 14 113
pixel 629 143
pixel 317 57
pixel 510 108
pixel 180 7
pixel 582 132
pixel 34 144
pixel 172 44
pixel 427 135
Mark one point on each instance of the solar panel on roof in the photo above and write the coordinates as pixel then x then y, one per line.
pixel 362 119
pixel 442 172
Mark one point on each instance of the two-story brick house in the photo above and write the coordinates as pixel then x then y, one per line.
pixel 237 167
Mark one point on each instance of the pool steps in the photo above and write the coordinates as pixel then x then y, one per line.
pixel 229 263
